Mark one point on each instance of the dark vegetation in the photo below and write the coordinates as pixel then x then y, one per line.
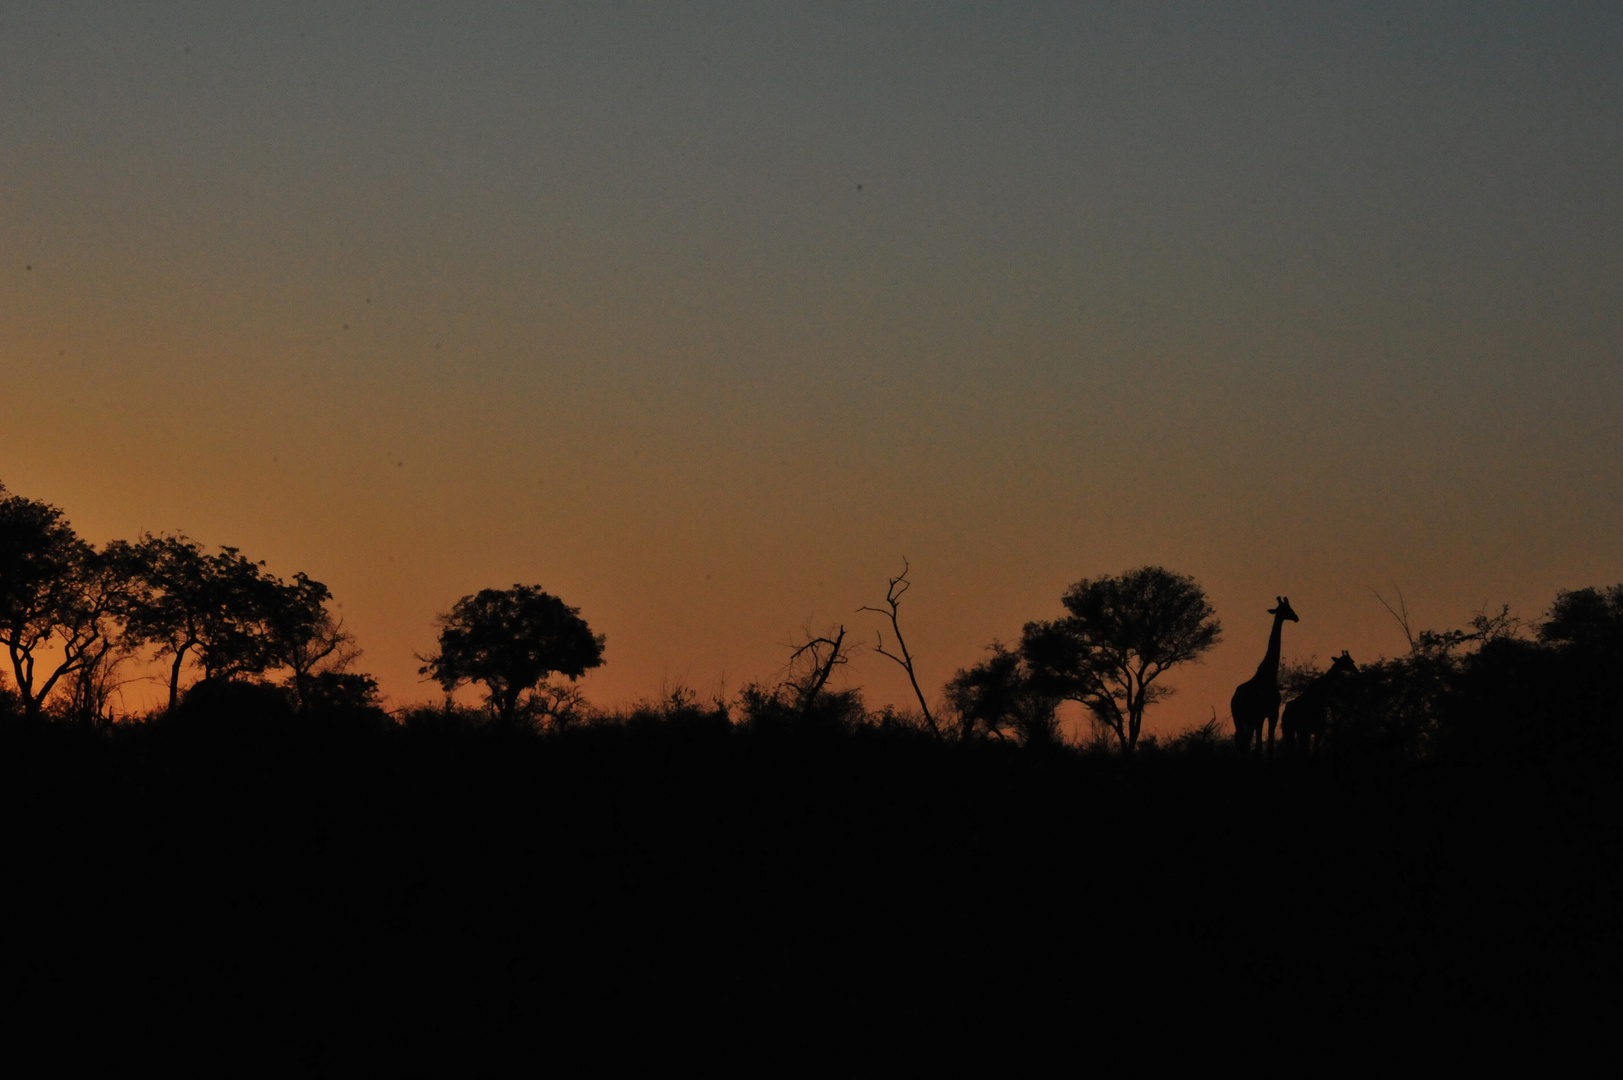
pixel 275 864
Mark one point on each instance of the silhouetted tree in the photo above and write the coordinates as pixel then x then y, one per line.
pixel 339 691
pixel 87 695
pixel 1587 620
pixel 230 617
pixel 893 603
pixel 803 700
pixel 208 608
pixel 511 640
pixel 1560 696
pixel 1585 628
pixel 59 597
pixel 820 656
pixel 1000 693
pixel 1399 707
pixel 301 635
pixel 1122 634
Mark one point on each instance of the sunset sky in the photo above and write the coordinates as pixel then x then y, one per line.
pixel 704 315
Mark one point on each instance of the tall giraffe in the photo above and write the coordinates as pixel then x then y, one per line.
pixel 1257 699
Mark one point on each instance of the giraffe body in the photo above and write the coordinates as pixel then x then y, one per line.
pixel 1302 726
pixel 1256 701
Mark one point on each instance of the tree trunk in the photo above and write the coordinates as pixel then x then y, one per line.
pixel 509 702
pixel 301 687
pixel 174 677
pixel 22 668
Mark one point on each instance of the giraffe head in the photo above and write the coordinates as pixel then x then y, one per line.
pixel 1343 663
pixel 1284 610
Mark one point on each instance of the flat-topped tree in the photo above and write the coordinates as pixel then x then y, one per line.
pixel 511 641
pixel 1122 634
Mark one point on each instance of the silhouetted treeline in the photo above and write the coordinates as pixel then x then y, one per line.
pixel 75 620
pixel 74 617
pixel 1496 690
pixel 275 872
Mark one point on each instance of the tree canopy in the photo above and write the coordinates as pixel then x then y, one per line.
pixel 511 640
pixel 1122 634
pixel 229 616
pixel 71 615
pixel 55 590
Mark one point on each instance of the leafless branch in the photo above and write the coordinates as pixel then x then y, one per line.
pixel 822 667
pixel 898 586
pixel 1401 613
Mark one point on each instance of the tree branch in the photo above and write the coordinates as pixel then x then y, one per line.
pixel 898 587
pixel 1403 618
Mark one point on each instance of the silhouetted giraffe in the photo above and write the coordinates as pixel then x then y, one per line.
pixel 1305 714
pixel 1257 699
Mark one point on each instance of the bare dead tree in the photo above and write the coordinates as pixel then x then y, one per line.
pixel 1400 614
pixel 893 601
pixel 822 666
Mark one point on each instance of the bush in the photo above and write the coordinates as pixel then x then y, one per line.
pixel 780 709
pixel 222 706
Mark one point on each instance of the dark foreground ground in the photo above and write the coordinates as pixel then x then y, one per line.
pixel 339 901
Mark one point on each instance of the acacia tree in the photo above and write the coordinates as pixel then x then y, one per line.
pixel 59 597
pixel 1121 635
pixel 511 641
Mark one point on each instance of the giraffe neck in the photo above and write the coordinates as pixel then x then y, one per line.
pixel 1269 668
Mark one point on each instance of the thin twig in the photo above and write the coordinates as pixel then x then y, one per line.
pixel 1403 618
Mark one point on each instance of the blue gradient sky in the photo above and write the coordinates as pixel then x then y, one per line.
pixel 703 315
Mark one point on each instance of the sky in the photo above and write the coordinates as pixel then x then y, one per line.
pixel 704 316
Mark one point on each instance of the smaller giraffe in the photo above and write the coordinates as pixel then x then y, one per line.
pixel 1302 726
pixel 1257 699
